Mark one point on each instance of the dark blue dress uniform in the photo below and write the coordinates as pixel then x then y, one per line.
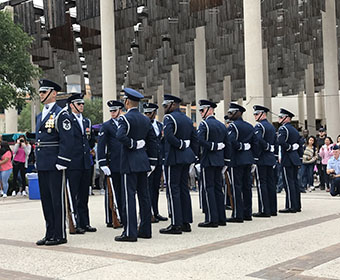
pixel 134 165
pixel 243 150
pixel 178 132
pixel 79 172
pixel 291 153
pixel 155 177
pixel 266 187
pixel 212 135
pixel 53 146
pixel 109 149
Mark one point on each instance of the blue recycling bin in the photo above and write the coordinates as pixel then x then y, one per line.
pixel 33 186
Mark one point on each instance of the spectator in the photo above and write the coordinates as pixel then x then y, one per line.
pixel 333 169
pixel 320 141
pixel 309 158
pixel 338 140
pixel 5 165
pixel 326 151
pixel 22 150
pixel 305 134
pixel 1 187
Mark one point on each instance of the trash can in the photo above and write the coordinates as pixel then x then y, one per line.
pixel 33 186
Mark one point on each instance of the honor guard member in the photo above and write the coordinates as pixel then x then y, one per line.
pixel 150 110
pixel 291 154
pixel 243 143
pixel 181 150
pixel 138 156
pixel 109 149
pixel 213 140
pixel 266 187
pixel 79 172
pixel 53 149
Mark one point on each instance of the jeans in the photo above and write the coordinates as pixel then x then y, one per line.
pixel 4 175
pixel 335 187
pixel 307 175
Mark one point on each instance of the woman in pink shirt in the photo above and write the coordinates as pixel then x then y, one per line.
pixel 326 152
pixel 5 165
pixel 22 150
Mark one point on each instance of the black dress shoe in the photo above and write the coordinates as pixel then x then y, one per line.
pixel 247 218
pixel 208 225
pixel 54 242
pixel 234 220
pixel 109 225
pixel 124 238
pixel 261 215
pixel 171 230
pixel 161 218
pixel 78 231
pixel 273 214
pixel 287 210
pixel 186 227
pixel 154 220
pixel 299 210
pixel 222 223
pixel 120 226
pixel 41 241
pixel 143 235
pixel 90 229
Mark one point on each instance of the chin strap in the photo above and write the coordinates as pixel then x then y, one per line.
pixel 281 123
pixel 47 96
pixel 205 114
pixel 74 105
pixel 258 119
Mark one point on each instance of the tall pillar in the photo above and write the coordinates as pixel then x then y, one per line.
pixel 322 107
pixel 108 51
pixel 253 55
pixel 301 108
pixel 267 94
pixel 11 120
pixel 35 106
pixel 188 111
pixel 330 53
pixel 174 77
pixel 200 69
pixel 310 98
pixel 226 93
pixel 160 97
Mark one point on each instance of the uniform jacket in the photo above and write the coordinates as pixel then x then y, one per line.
pixel 54 147
pixel 288 135
pixel 80 154
pixel 241 133
pixel 109 147
pixel 134 126
pixel 210 133
pixel 266 136
pixel 177 128
pixel 160 143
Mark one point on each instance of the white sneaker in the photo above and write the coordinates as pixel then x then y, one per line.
pixel 102 191
pixel 13 193
pixel 1 192
pixel 5 195
pixel 19 194
pixel 24 193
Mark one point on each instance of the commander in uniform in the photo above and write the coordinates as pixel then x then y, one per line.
pixel 79 172
pixel 213 140
pixel 291 153
pixel 266 187
pixel 109 149
pixel 53 148
pixel 181 150
pixel 243 148
pixel 138 156
pixel 150 110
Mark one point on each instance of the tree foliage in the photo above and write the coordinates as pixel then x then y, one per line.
pixel 93 110
pixel 16 69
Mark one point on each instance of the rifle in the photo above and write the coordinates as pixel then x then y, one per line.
pixel 69 206
pixel 227 182
pixel 113 203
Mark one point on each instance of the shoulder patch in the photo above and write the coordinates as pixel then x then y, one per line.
pixel 66 124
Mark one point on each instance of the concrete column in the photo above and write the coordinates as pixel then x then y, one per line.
pixel 73 84
pixel 200 69
pixel 330 53
pixel 188 110
pixel 301 106
pixel 253 56
pixel 11 120
pixel 108 51
pixel 174 77
pixel 266 87
pixel 322 107
pixel 269 92
pixel 160 97
pixel 310 99
pixel 226 93
pixel 35 106
pixel 240 101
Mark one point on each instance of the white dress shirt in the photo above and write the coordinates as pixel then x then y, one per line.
pixel 155 127
pixel 79 118
pixel 47 108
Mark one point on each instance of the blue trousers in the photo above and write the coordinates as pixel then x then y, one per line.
pixel 306 172
pixel 117 186
pixel 335 187
pixel 153 184
pixel 291 185
pixel 132 183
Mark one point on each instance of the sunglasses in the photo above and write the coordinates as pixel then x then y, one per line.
pixel 114 110
pixel 43 91
pixel 80 103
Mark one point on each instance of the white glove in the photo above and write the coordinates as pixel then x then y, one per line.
pixel 247 146
pixel 224 168
pixel 295 146
pixel 60 167
pixel 187 143
pixel 106 170
pixel 253 168
pixel 140 144
pixel 272 148
pixel 152 170
pixel 198 167
pixel 220 146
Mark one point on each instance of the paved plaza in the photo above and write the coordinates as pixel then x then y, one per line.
pixel 305 245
